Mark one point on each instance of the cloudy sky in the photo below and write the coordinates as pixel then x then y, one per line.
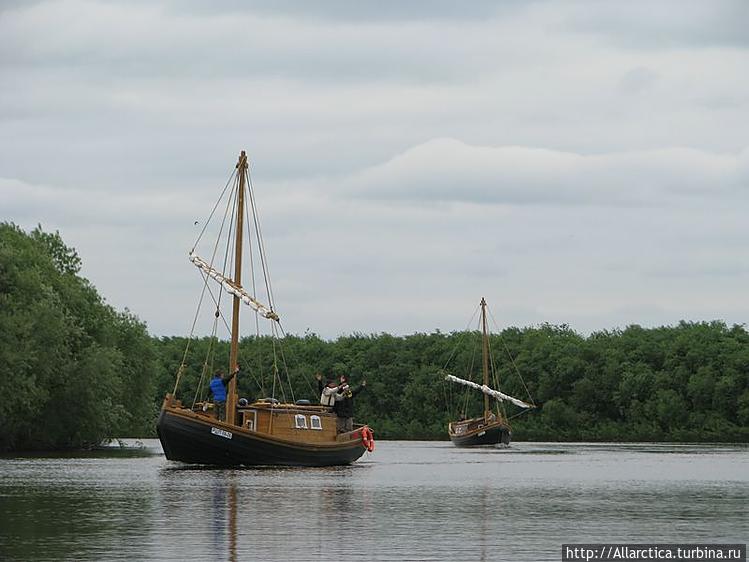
pixel 579 162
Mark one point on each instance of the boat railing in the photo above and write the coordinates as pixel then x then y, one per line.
pixel 288 407
pixel 353 435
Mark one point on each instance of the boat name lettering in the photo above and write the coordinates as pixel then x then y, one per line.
pixel 221 432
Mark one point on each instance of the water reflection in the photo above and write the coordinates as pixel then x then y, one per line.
pixel 224 516
pixel 335 500
pixel 62 509
pixel 426 501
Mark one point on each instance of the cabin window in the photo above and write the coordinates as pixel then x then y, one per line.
pixel 315 422
pixel 300 421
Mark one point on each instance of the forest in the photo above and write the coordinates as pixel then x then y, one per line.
pixel 74 371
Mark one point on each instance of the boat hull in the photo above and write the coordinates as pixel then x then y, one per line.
pixel 491 434
pixel 194 440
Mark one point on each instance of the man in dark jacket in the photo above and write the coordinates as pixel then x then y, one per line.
pixel 217 388
pixel 344 404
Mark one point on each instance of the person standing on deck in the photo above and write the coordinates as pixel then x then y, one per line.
pixel 328 391
pixel 344 405
pixel 218 389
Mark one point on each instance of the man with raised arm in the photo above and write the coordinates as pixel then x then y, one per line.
pixel 217 388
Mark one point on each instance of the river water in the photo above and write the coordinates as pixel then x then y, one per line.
pixel 405 501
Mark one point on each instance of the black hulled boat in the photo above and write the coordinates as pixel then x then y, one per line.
pixel 493 426
pixel 262 432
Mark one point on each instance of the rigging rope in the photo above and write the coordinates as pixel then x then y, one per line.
pixel 226 284
pixel 208 355
pixel 501 411
pixel 448 389
pixel 228 181
pixel 275 368
pixel 260 241
pixel 494 372
pixel 512 360
pixel 182 366
pixel 261 385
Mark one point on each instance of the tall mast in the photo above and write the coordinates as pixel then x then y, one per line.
pixel 231 399
pixel 485 356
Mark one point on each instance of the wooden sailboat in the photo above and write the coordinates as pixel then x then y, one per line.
pixel 266 431
pixel 493 427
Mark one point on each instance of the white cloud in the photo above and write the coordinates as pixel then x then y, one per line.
pixel 450 170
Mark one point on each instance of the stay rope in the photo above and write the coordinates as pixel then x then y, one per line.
pixel 183 363
pixel 279 360
pixel 447 389
pixel 208 356
pixel 512 361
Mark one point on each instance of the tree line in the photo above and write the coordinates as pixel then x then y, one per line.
pixel 74 371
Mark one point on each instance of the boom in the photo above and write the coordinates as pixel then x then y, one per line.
pixel 229 286
pixel 501 396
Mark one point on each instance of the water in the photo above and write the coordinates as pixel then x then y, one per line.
pixel 406 501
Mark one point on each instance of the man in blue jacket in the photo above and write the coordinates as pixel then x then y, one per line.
pixel 218 390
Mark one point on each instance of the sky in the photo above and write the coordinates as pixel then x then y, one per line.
pixel 582 163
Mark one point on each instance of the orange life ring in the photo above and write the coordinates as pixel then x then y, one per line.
pixel 367 439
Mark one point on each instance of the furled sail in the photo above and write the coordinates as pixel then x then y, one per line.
pixel 501 396
pixel 235 290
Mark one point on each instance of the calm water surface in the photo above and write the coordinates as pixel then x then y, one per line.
pixel 406 501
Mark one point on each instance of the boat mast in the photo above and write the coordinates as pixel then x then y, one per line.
pixel 485 354
pixel 231 399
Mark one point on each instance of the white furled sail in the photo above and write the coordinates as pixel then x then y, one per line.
pixel 229 286
pixel 488 391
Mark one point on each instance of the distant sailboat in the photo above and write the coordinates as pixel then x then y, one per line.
pixel 493 427
pixel 267 431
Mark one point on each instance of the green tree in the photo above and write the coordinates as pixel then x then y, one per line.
pixel 73 370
